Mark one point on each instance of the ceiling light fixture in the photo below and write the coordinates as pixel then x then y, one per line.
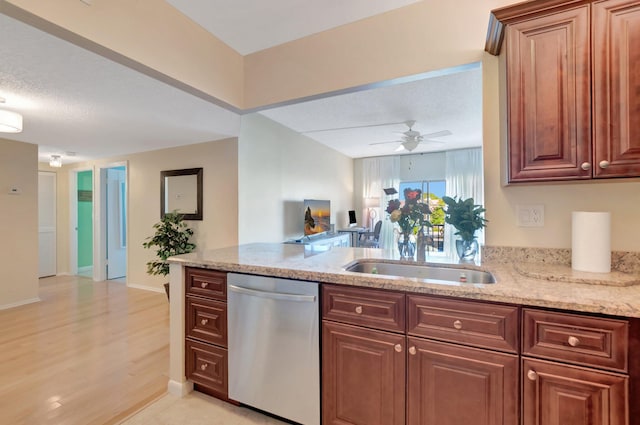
pixel 55 161
pixel 10 122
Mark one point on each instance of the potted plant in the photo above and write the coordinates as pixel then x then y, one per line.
pixel 171 238
pixel 466 217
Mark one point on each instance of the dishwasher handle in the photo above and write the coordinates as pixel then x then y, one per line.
pixel 272 295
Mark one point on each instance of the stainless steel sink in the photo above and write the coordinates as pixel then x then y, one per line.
pixel 421 271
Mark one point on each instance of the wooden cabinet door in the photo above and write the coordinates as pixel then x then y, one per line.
pixel 616 88
pixel 557 394
pixel 548 83
pixel 455 385
pixel 363 376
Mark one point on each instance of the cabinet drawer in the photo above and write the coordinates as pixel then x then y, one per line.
pixel 206 283
pixel 473 323
pixel 575 338
pixel 207 320
pixel 207 365
pixel 365 307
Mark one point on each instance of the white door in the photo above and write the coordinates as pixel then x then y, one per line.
pixel 46 223
pixel 116 223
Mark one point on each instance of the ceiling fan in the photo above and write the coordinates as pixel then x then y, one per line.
pixel 411 138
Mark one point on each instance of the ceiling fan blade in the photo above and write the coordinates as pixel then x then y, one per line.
pixel 350 128
pixel 384 143
pixel 437 134
pixel 440 142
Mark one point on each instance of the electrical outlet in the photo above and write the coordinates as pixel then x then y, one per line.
pixel 530 215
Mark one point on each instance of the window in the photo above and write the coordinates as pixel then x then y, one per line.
pixel 432 193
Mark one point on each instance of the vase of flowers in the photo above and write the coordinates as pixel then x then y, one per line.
pixel 411 217
pixel 467 218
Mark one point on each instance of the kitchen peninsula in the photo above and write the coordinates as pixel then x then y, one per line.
pixel 541 326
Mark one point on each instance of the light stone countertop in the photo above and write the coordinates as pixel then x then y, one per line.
pixel 534 284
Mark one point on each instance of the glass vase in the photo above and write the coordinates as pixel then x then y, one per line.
pixel 406 247
pixel 467 250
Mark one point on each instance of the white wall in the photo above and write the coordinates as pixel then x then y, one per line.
pixel 18 223
pixel 277 170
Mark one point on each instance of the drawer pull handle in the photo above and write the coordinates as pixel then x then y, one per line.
pixel 203 322
pixel 398 348
pixel 457 324
pixel 359 309
pixel 604 164
pixel 532 375
pixel 585 166
pixel 573 341
pixel 204 284
pixel 203 366
pixel 412 351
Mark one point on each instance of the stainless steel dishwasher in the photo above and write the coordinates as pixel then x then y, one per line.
pixel 274 359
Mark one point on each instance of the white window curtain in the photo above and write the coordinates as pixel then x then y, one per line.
pixel 378 174
pixel 464 179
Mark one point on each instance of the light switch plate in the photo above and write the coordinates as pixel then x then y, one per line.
pixel 530 215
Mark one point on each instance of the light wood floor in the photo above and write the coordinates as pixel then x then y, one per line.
pixel 88 353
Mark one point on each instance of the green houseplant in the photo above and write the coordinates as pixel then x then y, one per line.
pixel 467 218
pixel 171 238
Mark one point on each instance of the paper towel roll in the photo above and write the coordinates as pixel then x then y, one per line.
pixel 591 241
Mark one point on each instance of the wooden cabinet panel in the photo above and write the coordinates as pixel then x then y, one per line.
pixel 363 378
pixel 616 87
pixel 591 341
pixel 207 320
pixel 548 81
pixel 555 394
pixel 453 385
pixel 366 307
pixel 206 283
pixel 207 365
pixel 479 324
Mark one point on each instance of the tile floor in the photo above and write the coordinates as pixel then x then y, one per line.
pixel 197 409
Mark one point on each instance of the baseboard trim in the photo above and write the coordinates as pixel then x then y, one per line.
pixel 20 303
pixel 85 269
pixel 179 389
pixel 146 288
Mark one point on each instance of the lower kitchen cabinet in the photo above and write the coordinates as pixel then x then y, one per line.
pixel 456 385
pixel 363 376
pixel 559 394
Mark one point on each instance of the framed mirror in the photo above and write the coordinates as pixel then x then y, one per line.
pixel 181 190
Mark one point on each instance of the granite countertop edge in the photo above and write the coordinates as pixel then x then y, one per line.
pixel 514 284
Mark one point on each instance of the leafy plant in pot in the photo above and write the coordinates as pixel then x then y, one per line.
pixel 171 238
pixel 467 218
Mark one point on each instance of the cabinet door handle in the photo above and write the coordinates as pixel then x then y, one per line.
pixel 585 166
pixel 604 164
pixel 573 341
pixel 412 351
pixel 359 309
pixel 398 348
pixel 203 322
pixel 532 375
pixel 457 324
pixel 203 366
pixel 204 285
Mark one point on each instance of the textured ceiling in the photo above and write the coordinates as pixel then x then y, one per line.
pixel 251 25
pixel 450 100
pixel 73 100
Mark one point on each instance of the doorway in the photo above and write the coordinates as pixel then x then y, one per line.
pixel 113 222
pixel 84 222
pixel 46 224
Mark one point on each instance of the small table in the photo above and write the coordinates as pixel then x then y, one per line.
pixel 355 234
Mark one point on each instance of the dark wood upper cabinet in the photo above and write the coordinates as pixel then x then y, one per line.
pixel 616 88
pixel 573 88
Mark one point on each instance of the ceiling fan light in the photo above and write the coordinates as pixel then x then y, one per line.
pixel 10 122
pixel 410 144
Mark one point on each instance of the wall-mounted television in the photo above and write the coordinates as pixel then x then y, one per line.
pixel 317 216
